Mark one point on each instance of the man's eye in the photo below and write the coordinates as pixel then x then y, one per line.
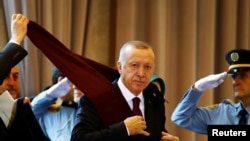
pixel 134 65
pixel 244 75
pixel 148 67
pixel 15 76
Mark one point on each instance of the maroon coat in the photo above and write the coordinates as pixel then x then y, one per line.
pixel 89 75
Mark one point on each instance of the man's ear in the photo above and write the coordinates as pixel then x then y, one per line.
pixel 119 67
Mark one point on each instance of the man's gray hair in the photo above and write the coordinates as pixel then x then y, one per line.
pixel 132 44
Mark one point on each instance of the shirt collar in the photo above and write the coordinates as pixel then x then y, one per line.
pixel 240 107
pixel 126 92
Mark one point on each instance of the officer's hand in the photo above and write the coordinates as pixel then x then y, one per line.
pixel 210 81
pixel 59 89
pixel 136 125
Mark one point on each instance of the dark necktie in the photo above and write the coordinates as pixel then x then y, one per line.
pixel 243 118
pixel 136 109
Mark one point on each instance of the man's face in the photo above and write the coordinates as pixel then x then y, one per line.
pixel 241 85
pixel 12 83
pixel 137 69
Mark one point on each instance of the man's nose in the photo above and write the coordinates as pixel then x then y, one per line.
pixel 141 71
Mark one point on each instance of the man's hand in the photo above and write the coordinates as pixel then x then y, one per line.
pixel 18 28
pixel 26 100
pixel 136 125
pixel 168 137
pixel 210 81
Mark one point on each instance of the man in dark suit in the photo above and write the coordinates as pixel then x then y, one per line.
pixel 105 114
pixel 136 66
pixel 23 124
pixel 13 53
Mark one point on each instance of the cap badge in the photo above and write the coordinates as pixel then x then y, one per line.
pixel 234 56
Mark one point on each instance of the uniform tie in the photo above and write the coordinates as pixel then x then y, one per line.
pixel 136 109
pixel 243 118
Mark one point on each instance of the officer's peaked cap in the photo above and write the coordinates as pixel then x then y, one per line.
pixel 238 60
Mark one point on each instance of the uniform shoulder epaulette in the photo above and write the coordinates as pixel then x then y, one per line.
pixel 54 107
pixel 228 101
pixel 69 103
pixel 212 106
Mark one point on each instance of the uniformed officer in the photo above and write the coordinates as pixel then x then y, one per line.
pixel 188 115
pixel 55 107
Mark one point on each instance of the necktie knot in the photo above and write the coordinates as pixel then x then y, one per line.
pixel 243 118
pixel 136 109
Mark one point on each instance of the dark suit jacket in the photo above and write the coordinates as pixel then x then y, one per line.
pixel 24 126
pixel 10 56
pixel 89 126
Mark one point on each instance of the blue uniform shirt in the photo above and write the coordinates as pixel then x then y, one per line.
pixel 191 117
pixel 57 125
